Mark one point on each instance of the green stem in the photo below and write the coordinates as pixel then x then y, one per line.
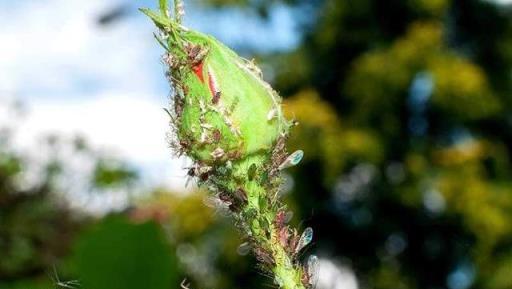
pixel 257 218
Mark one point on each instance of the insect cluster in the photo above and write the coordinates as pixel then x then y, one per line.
pixel 229 121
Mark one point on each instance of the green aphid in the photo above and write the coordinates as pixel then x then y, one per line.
pixel 251 172
pixel 219 92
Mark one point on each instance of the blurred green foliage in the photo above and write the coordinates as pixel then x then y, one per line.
pixel 37 225
pixel 34 228
pixel 117 254
pixel 404 118
pixel 113 174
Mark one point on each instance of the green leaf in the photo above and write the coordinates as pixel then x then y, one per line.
pixel 117 254
pixel 161 22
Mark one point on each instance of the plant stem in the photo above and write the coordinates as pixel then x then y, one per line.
pixel 230 122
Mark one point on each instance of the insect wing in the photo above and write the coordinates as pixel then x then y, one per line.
pixel 292 160
pixel 244 249
pixel 312 270
pixel 305 239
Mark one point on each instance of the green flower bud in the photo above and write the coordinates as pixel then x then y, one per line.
pixel 229 121
pixel 224 109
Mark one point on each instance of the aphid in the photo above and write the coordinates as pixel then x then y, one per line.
pixel 263 256
pixel 311 269
pixel 204 176
pixel 292 160
pixel 282 218
pixel 217 153
pixel 191 173
pixel 169 59
pixel 206 126
pixel 292 243
pixel 179 146
pixel 251 172
pixel 244 249
pixel 305 239
pixel 233 155
pixel 278 154
pixel 184 90
pixel 225 197
pixel 228 199
pixel 284 235
pixel 241 196
pixel 216 135
pixel 271 114
pixel 178 106
pixel 203 138
pixel 200 171
pixel 212 202
pixel 215 203
pixel 196 54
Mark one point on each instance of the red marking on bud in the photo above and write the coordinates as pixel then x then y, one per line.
pixel 212 81
pixel 198 70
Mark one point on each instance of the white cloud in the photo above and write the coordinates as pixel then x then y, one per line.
pixel 335 276
pixel 135 126
pixel 55 48
pixel 125 125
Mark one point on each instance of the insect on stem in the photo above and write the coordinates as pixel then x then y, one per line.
pixel 230 122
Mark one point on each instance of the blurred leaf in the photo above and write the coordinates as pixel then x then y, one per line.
pixel 116 254
pixel 113 174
